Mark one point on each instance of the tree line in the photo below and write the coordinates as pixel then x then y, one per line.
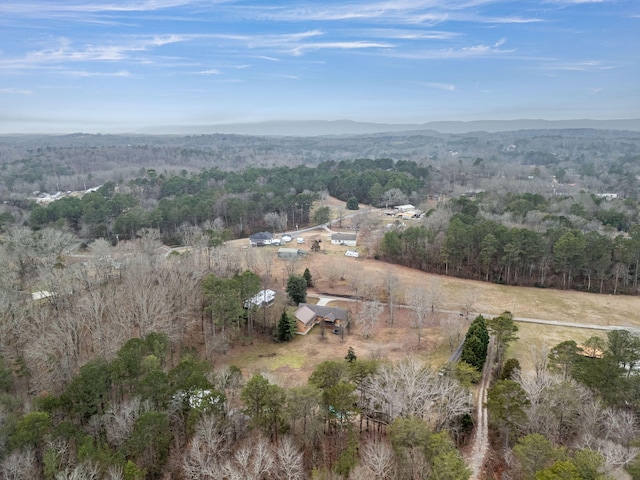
pixel 527 243
pixel 238 202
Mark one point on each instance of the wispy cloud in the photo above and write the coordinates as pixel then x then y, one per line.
pixel 409 12
pixel 584 66
pixel 357 45
pixel 211 71
pixel 15 91
pixel 594 91
pixel 507 20
pixel 577 2
pixel 47 9
pixel 406 12
pixel 79 73
pixel 441 86
pixel 472 51
pixel 64 51
pixel 408 34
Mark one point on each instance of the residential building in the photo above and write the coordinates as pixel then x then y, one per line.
pixel 348 239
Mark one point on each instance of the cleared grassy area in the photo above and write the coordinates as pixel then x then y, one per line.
pixel 533 338
pixel 333 273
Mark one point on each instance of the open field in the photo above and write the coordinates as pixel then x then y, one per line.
pixel 335 274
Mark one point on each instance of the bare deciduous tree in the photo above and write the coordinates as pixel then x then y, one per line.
pixel 434 294
pixel 368 317
pixel 119 420
pixel 206 451
pixel 144 300
pixel 539 357
pixel 378 460
pixel 291 264
pixel 252 461
pixel 411 389
pixel 266 260
pixel 20 464
pixel 392 291
pixel 469 299
pixel 290 465
pixel 105 334
pixel 555 406
pixel 452 330
pixel 621 426
pixel 84 471
pixel 274 221
pixel 420 305
pixel 54 351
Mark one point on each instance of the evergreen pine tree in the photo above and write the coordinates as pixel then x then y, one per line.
pixel 286 328
pixel 351 355
pixel 307 277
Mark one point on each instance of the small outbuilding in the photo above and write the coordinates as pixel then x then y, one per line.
pixel 264 298
pixel 291 253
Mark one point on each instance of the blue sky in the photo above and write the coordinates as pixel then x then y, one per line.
pixel 123 65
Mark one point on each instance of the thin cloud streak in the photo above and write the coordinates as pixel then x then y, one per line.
pixel 76 73
pixel 474 51
pixel 441 86
pixel 588 65
pixel 307 47
pixel 15 91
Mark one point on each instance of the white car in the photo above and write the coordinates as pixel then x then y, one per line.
pixel 352 253
pixel 299 240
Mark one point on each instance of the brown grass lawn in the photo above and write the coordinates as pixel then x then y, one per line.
pixel 335 274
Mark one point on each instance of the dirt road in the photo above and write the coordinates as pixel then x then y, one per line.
pixel 481 439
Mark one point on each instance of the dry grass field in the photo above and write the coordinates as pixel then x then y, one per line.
pixel 335 274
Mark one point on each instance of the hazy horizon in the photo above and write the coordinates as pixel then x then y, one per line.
pixel 351 128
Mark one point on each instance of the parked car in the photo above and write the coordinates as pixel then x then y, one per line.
pixel 352 253
pixel 299 240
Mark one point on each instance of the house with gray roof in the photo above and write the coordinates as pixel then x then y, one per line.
pixel 348 239
pixel 308 314
pixel 260 239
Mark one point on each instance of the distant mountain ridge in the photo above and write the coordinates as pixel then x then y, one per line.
pixel 349 127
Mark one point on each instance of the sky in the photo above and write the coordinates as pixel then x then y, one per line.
pixel 116 66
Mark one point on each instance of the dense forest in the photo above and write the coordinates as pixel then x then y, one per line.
pixel 109 346
pixel 552 209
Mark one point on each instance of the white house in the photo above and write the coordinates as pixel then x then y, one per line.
pixel 348 239
pixel 404 208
